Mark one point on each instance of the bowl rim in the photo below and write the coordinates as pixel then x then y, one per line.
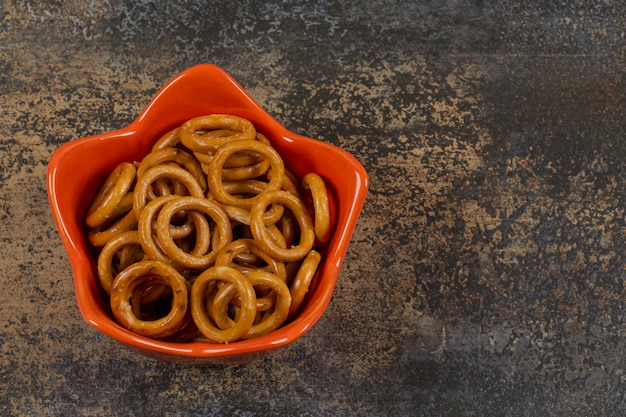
pixel 81 265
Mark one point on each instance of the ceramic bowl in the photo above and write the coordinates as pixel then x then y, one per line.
pixel 78 167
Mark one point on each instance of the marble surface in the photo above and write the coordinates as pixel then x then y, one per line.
pixel 486 274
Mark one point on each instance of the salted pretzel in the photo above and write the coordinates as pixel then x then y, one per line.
pixel 99 237
pixel 301 216
pixel 314 183
pixel 142 188
pixel 196 134
pixel 197 204
pixel 176 155
pixel 147 229
pixel 137 275
pixel 302 281
pixel 106 259
pixel 111 194
pixel 244 289
pixel 270 319
pixel 170 138
pixel 215 177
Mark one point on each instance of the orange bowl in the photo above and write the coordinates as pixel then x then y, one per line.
pixel 77 169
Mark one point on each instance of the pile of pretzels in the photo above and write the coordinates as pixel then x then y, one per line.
pixel 210 237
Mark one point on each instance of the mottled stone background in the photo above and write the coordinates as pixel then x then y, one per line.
pixel 486 274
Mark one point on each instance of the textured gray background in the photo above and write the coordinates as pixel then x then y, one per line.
pixel 486 274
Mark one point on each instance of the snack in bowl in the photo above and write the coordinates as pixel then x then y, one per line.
pixel 201 233
pixel 78 169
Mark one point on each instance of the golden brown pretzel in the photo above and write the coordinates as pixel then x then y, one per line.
pixel 148 236
pixel 111 194
pixel 173 154
pixel 214 175
pixel 196 135
pixel 101 237
pixel 172 171
pixel 319 194
pixel 302 281
pixel 147 229
pixel 269 322
pixel 301 215
pixel 170 138
pixel 245 290
pixel 199 204
pixel 106 269
pixel 241 164
pixel 157 273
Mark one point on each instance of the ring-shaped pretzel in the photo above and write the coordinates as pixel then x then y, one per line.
pixel 101 237
pixel 170 138
pixel 148 236
pixel 147 302
pixel 198 306
pixel 137 274
pixel 319 194
pixel 300 214
pixel 195 133
pixel 302 281
pixel 190 203
pixel 214 175
pixel 140 194
pixel 146 228
pixel 270 322
pixel 110 194
pixel 106 273
pixel 239 159
pixel 173 154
